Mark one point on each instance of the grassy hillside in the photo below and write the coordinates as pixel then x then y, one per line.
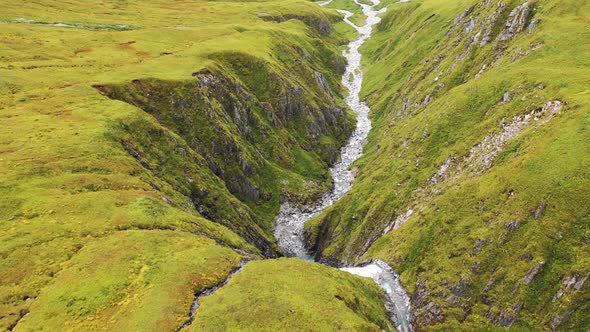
pixel 146 146
pixel 130 281
pixel 290 294
pixel 140 145
pixel 474 184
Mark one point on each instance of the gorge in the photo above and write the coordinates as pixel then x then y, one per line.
pixel 291 165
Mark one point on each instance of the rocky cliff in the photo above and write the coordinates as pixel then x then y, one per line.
pixel 254 125
pixel 146 146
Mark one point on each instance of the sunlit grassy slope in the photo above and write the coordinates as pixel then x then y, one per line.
pixel 130 281
pixel 486 241
pixel 290 294
pixel 111 216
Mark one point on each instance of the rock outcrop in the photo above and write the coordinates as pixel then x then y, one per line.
pixel 245 123
pixel 516 22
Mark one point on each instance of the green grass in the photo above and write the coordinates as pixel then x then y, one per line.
pixel 98 223
pixel 358 18
pixel 79 170
pixel 131 280
pixel 290 294
pixel 545 163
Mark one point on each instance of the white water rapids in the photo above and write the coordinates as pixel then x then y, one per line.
pixel 290 222
pixel 398 302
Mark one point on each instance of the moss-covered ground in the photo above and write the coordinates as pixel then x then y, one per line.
pixel 122 192
pixel 112 216
pixel 291 294
pixel 130 281
pixel 475 231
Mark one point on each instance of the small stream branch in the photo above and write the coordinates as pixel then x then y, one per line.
pixel 208 291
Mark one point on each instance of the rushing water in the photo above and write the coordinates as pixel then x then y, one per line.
pixel 398 302
pixel 290 222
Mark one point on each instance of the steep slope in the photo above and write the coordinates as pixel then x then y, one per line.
pixel 146 146
pixel 264 131
pixel 115 212
pixel 474 184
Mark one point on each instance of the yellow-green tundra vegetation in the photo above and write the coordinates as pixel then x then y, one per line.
pixel 145 147
pixel 475 183
pixel 289 294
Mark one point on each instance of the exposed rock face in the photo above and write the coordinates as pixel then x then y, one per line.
pixel 221 149
pixel 219 101
pixel 516 22
pixel 490 22
pixel 508 317
pixel 321 80
pixel 558 320
pixel 512 226
pixel 424 311
pixel 533 25
pixel 483 154
pixel 192 178
pixel 472 30
pixel 480 158
pixel 244 124
pixel 442 172
pixel 477 26
pixel 528 278
pixel 461 18
pixel 481 42
pixel 570 285
pixel 399 220
pixel 478 246
pixel 538 212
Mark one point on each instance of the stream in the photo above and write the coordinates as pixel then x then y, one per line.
pixel 290 222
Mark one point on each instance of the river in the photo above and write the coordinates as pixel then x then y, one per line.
pixel 290 222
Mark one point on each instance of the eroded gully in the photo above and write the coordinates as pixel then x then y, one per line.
pixel 289 224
